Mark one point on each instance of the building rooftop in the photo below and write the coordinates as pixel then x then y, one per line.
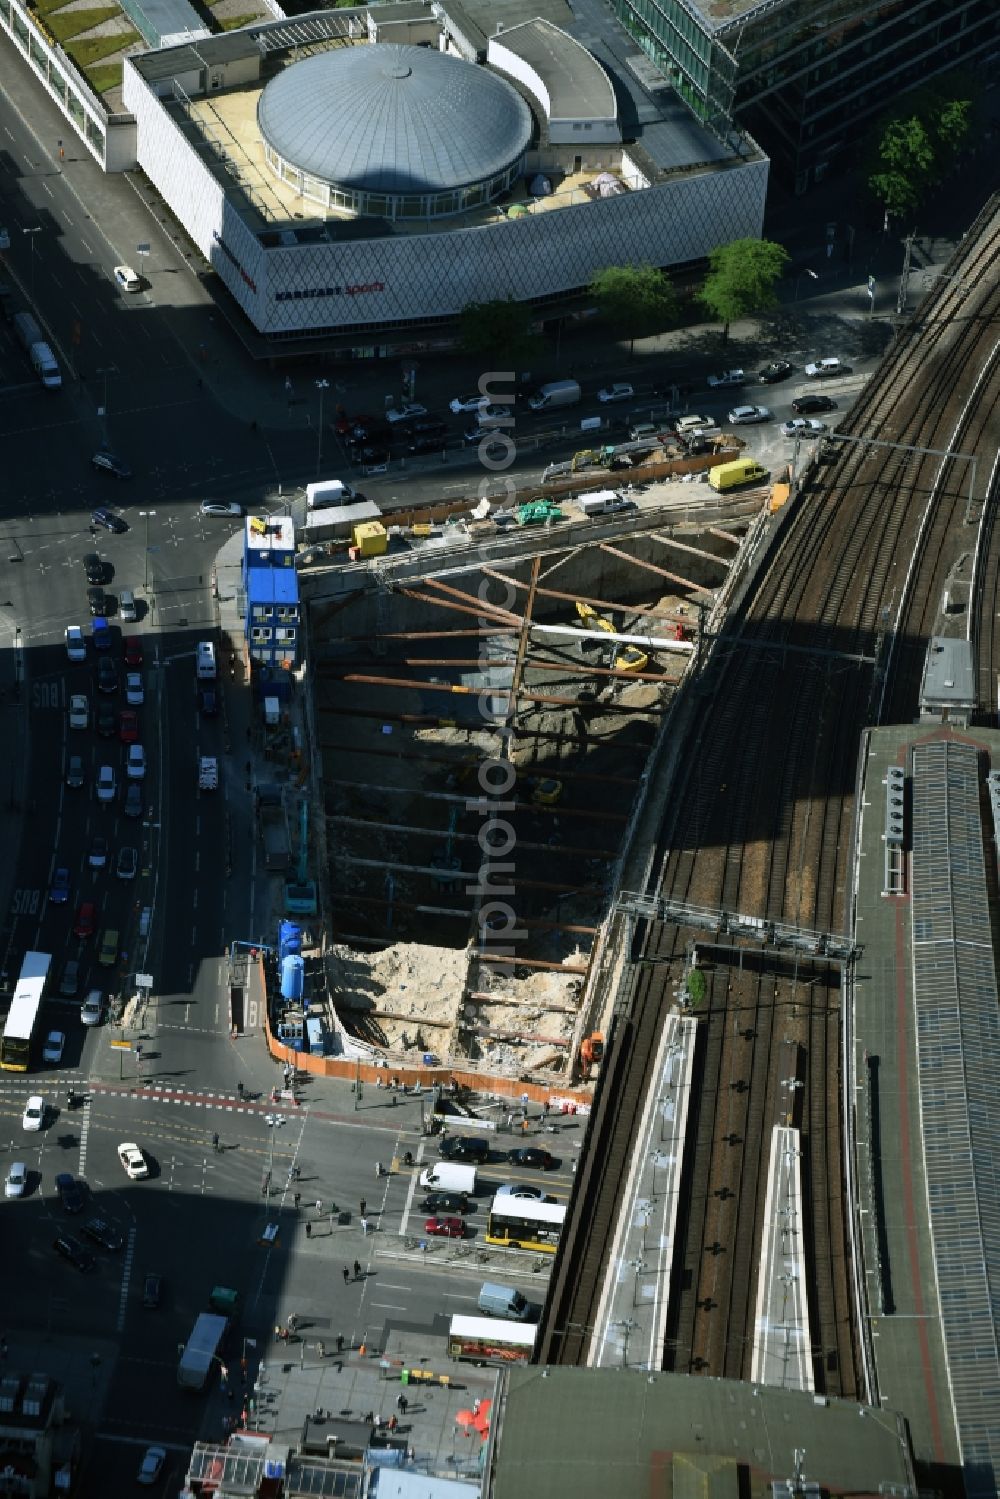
pixel 576 83
pixel 270 533
pixel 585 1433
pixel 396 119
pixel 949 679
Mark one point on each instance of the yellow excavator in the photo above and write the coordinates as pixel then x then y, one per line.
pixel 629 657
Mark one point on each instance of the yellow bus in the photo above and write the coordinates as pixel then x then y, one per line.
pixel 525 1223
pixel 22 1018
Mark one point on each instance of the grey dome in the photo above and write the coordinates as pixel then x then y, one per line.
pixel 392 119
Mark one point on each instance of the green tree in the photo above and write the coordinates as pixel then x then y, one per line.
pixel 742 279
pixel 501 329
pixel 635 300
pixel 906 162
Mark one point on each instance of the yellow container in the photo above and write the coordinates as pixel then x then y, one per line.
pixel 370 538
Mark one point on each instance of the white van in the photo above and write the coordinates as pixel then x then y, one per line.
pixel 449 1176
pixel 503 1301
pixel 206 661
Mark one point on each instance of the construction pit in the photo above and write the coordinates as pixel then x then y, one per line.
pixel 487 715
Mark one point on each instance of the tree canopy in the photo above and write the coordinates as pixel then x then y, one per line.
pixel 636 300
pixel 499 328
pixel 912 152
pixel 742 278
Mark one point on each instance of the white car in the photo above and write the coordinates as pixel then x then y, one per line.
pixel 127 279
pixel 134 694
pixel 34 1112
pixel 740 415
pixel 17 1180
pixel 728 377
pixel 802 426
pixel 107 784
pixel 827 367
pixel 221 507
pixel 76 645
pixel 53 1049
pixel 152 1465
pixel 620 391
pixel 79 711
pixel 467 403
pixel 133 1161
pixel 135 766
pixel 409 411
pixel 92 1008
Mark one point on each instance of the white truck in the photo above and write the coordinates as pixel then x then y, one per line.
pixel 330 492
pixel 40 356
pixel 201 1350
pixel 208 773
pixel 336 522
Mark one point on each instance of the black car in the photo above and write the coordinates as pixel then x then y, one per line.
pixel 778 369
pixel 98 601
pixel 208 702
pixel 465 1148
pixel 152 1291
pixel 107 720
pixel 71 1249
pixel 427 444
pixel 106 518
pixel 809 405
pixel 133 799
pixel 101 1232
pixel 531 1155
pixel 426 426
pixel 369 430
pixel 71 1193
pixel 110 463
pixel 369 457
pixel 95 568
pixel 107 675
pixel 446 1202
pixel 74 772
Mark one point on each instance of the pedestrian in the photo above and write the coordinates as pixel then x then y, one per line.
pixel 545 1109
pixel 215 1143
pixel 363 1206
pixel 524 1126
pixel 510 1121
pixel 347 1276
pixel 319 1207
pixel 401 1403
pixel 321 1349
pixel 364 1227
pixel 239 1089
pixel 475 1407
pixel 357 1269
pixel 378 1170
pixel 393 1423
pixel 297 1198
pixel 340 1342
pixel 309 1230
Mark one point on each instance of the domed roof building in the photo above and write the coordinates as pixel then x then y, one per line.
pixel 394 131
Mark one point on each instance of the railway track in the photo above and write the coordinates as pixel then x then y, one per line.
pixel 761 824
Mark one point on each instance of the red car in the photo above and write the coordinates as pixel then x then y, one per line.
pixel 448 1228
pixel 128 726
pixel 133 650
pixel 86 920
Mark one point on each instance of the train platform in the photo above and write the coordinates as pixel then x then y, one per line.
pixel 630 1326
pixel 908 1113
pixel 782 1347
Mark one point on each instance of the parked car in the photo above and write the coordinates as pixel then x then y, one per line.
pixel 726 379
pixel 107 952
pixel 405 413
pixel 448 1228
pixel 97 601
pixel 802 426
pixel 71 1249
pixel 742 415
pixel 151 1466
pixel 16 1182
pixel 52 1051
pixel 820 368
pixel 95 567
pixel 533 1156
pixel 467 403
pixel 59 889
pixel 92 1008
pixel 107 519
pixel 72 1194
pixel 221 507
pixel 619 391
pixel 133 1161
pixel 807 405
pixel 110 463
pixel 426 443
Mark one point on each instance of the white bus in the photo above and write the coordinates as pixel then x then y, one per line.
pixel 484 1340
pixel 525 1223
pixel 22 1018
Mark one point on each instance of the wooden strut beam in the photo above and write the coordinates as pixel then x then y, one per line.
pixel 519 1004
pixel 422 598
pixel 571 598
pixel 434 721
pixel 529 922
pixel 736 541
pixel 478 607
pixel 456 876
pixel 544 965
pixel 440 834
pixel 366 750
pixel 483 630
pixel 603 671
pixel 682 546
pixel 660 572
pixel 569 668
pixel 368 679
pixel 514 690
pixel 462 798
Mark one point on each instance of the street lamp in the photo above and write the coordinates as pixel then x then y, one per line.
pixel 145 515
pixel 36 229
pixel 798 281
pixel 321 386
